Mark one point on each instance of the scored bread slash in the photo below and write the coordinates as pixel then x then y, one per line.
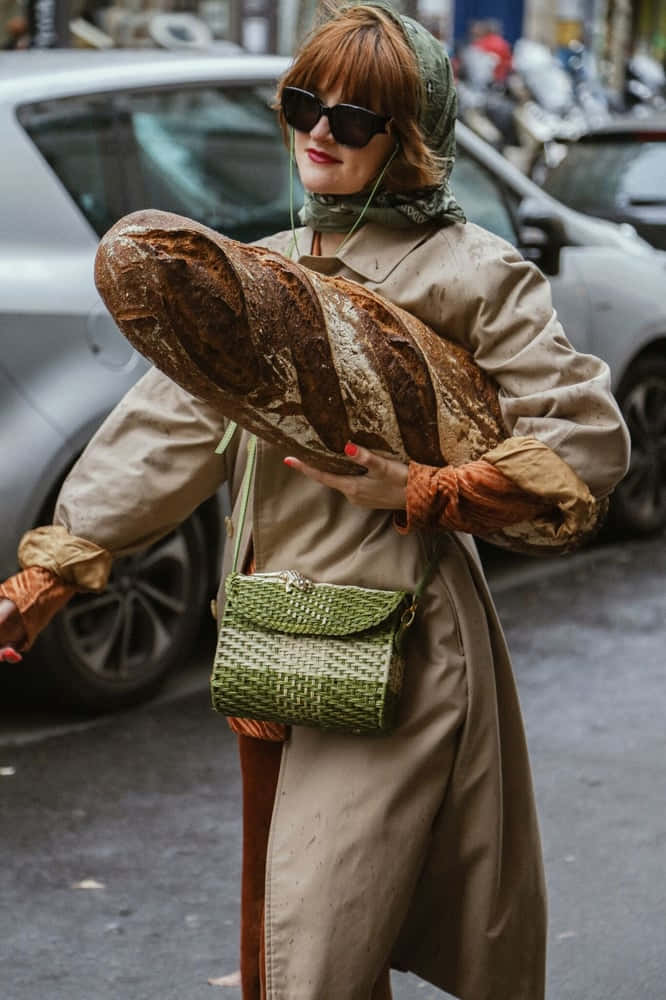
pixel 306 361
pixel 301 359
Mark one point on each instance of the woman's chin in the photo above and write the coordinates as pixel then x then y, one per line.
pixel 320 185
pixel 322 180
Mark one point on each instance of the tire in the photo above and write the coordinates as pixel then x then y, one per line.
pixel 638 505
pixel 106 651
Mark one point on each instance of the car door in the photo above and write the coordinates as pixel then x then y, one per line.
pixel 68 357
pixel 490 203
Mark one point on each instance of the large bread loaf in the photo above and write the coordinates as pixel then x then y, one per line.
pixel 305 361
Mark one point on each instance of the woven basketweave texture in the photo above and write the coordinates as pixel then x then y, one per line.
pixel 309 654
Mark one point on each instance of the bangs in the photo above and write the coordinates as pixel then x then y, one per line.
pixel 368 68
pixel 361 54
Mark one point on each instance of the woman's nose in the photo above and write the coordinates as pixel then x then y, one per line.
pixel 322 129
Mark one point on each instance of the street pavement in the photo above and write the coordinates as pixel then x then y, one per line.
pixel 121 835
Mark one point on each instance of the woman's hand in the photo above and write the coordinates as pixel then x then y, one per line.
pixel 28 602
pixel 11 631
pixel 382 488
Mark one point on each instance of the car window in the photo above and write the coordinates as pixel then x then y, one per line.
pixel 213 154
pixel 594 175
pixel 77 138
pixel 645 176
pixel 481 197
pixel 588 175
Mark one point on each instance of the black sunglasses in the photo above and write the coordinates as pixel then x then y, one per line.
pixel 349 125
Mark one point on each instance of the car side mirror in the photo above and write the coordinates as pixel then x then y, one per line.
pixel 541 235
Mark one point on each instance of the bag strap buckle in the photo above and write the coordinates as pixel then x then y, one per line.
pixel 408 616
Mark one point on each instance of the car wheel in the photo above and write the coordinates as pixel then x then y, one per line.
pixel 109 650
pixel 638 506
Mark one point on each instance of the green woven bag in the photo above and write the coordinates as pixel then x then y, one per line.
pixel 309 654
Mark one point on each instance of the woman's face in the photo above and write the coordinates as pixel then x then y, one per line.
pixel 327 167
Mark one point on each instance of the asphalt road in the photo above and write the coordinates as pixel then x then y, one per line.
pixel 121 835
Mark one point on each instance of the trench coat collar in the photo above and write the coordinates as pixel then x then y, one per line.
pixel 373 251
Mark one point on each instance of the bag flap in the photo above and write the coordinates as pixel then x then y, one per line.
pixel 304 608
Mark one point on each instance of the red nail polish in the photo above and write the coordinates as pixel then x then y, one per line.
pixel 289 462
pixel 9 655
pixel 351 449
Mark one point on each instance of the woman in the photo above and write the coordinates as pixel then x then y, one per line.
pixel 419 850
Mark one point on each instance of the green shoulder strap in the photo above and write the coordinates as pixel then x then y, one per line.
pixel 232 427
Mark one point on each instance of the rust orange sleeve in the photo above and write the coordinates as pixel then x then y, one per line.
pixel 475 497
pixel 38 595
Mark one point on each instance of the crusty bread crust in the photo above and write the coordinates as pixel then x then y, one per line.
pixel 305 361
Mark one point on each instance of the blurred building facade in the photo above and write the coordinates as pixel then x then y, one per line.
pixel 613 28
pixel 255 25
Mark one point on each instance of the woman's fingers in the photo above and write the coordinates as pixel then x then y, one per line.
pixel 325 478
pixel 382 488
pixel 11 630
pixel 7 610
pixel 378 467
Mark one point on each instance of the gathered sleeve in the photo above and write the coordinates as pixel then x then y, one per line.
pixel 503 313
pixel 148 467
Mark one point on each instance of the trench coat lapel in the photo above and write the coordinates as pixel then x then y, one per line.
pixel 373 252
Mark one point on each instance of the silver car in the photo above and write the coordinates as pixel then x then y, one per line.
pixel 87 137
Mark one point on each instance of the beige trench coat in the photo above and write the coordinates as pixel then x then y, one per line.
pixel 422 846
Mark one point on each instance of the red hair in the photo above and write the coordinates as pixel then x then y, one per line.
pixel 364 54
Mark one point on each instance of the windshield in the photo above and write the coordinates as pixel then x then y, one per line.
pixel 598 175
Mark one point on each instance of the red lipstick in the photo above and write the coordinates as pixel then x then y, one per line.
pixel 317 156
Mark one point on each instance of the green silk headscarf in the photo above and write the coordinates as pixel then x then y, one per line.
pixel 336 213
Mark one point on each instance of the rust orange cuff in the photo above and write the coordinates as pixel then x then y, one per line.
pixel 38 595
pixel 475 498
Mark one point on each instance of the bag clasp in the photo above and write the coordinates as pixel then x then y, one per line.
pixel 290 578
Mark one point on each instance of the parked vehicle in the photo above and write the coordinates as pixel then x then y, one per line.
pixel 550 116
pixel 606 285
pixel 594 97
pixel 645 85
pixel 485 104
pixel 618 172
pixel 545 102
pixel 88 137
